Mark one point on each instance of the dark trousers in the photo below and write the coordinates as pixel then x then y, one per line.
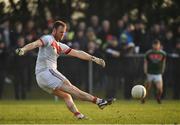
pixel 20 84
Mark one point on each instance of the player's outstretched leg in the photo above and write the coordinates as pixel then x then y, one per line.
pixel 73 90
pixel 69 103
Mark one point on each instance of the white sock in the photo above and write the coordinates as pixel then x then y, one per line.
pixel 98 100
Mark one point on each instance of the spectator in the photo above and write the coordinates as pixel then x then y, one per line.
pixel 168 43
pixel 30 32
pixel 17 32
pixel 95 24
pixel 139 36
pixel 168 47
pixel 112 69
pixel 30 35
pixel 70 33
pixel 105 31
pixel 92 37
pixel 6 33
pixel 20 72
pixel 93 48
pixel 125 19
pixel 80 40
pixel 81 26
pixel 154 33
pixel 129 34
pixel 126 48
pixel 120 27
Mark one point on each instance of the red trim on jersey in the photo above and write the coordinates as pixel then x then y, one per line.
pixel 56 46
pixel 156 56
pixel 42 42
pixel 68 50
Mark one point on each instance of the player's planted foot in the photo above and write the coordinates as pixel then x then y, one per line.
pixel 79 115
pixel 103 103
pixel 158 100
pixel 143 101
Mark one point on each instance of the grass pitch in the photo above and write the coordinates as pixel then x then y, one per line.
pixel 50 112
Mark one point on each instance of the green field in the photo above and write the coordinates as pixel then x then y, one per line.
pixel 120 112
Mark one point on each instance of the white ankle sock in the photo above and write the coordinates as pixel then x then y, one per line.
pixel 98 100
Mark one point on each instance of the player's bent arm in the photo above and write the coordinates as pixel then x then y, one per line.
pixel 32 46
pixel 145 66
pixel 85 56
pixel 28 47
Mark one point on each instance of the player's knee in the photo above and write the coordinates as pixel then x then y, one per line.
pixel 67 82
pixel 161 90
pixel 67 96
pixel 68 87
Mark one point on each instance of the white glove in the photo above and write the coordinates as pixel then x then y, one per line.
pixel 20 51
pixel 99 61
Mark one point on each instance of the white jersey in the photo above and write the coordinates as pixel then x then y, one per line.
pixel 49 52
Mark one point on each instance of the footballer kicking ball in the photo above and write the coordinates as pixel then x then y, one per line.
pixel 138 92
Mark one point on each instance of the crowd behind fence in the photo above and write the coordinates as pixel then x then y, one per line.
pixel 121 43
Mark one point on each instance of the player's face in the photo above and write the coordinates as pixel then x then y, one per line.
pixel 157 46
pixel 60 31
